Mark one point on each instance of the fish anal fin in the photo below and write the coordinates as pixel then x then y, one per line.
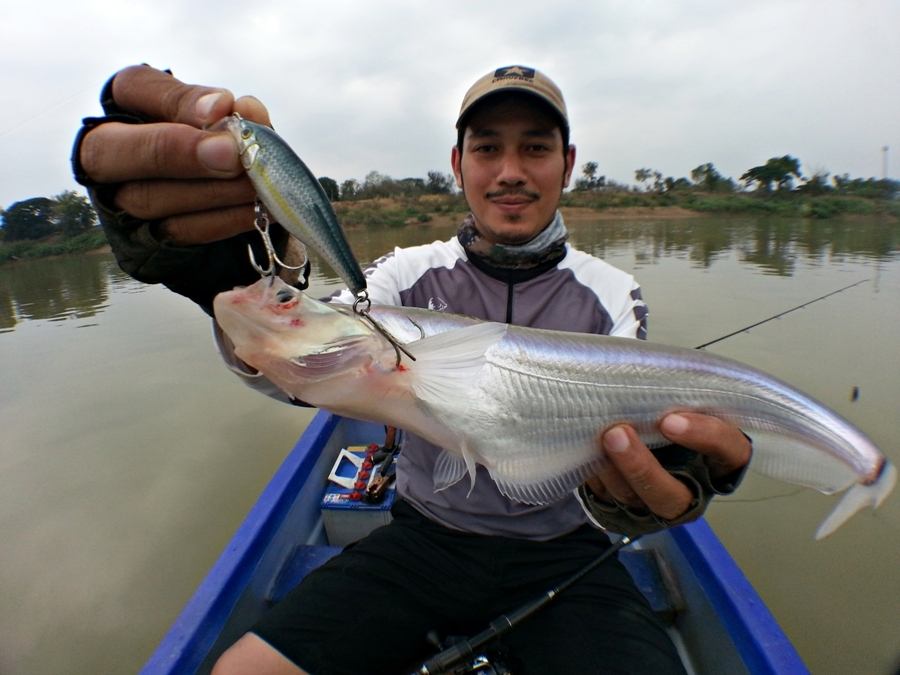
pixel 547 490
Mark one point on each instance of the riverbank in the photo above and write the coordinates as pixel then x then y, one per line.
pixel 442 210
pixel 621 205
pixel 52 246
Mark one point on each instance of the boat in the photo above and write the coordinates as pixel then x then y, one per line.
pixel 717 620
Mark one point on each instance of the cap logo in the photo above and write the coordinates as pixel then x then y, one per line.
pixel 514 73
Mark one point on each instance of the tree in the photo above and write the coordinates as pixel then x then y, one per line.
pixel 439 183
pixel 817 184
pixel 779 170
pixel 29 219
pixel 376 185
pixel 410 187
pixel 677 184
pixel 350 189
pixel 73 213
pixel 885 188
pixel 331 188
pixel 708 178
pixel 590 180
pixel 643 176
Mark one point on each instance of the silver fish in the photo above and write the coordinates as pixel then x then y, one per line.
pixel 527 404
pixel 294 197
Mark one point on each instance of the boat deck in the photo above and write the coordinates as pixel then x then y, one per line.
pixel 718 621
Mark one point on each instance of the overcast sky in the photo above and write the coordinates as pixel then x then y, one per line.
pixel 361 86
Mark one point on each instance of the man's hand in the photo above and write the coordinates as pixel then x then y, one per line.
pixel 633 476
pixel 172 170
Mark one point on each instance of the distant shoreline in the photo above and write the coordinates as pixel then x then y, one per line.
pixel 444 210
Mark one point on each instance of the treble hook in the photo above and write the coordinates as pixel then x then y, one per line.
pixel 363 298
pixel 261 223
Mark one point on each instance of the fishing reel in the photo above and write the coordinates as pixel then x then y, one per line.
pixel 482 665
pixel 482 653
pixel 492 661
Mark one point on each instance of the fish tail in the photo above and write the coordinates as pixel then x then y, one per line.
pixel 858 497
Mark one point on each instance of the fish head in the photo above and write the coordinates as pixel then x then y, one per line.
pixel 278 329
pixel 244 133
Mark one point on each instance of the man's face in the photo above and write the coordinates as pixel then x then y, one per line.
pixel 512 169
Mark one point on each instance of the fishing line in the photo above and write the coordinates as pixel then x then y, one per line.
pixel 779 315
pixel 42 111
pixel 451 658
pixel 729 500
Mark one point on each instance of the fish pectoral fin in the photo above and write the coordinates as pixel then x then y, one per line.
pixel 450 468
pixel 448 364
pixel 858 497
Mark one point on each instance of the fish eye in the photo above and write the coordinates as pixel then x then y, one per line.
pixel 246 133
pixel 284 295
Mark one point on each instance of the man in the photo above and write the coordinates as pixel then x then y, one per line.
pixel 176 210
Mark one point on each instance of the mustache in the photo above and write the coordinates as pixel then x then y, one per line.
pixel 513 192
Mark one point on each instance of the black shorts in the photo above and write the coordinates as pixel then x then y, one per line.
pixel 368 610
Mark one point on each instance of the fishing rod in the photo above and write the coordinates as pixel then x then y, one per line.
pixel 779 315
pixel 448 659
pixel 454 659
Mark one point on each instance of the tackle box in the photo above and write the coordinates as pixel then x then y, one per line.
pixel 345 513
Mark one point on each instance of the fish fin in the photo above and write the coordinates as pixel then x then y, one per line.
pixel 448 364
pixel 548 490
pixel 444 377
pixel 449 469
pixel 858 497
pixel 793 461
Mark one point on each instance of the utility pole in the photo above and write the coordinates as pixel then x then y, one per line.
pixel 884 162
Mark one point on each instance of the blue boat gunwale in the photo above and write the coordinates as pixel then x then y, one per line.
pixel 757 636
pixel 759 640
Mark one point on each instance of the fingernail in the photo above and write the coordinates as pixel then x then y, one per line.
pixel 205 105
pixel 616 440
pixel 675 424
pixel 218 153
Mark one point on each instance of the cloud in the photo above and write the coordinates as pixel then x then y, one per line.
pixel 358 86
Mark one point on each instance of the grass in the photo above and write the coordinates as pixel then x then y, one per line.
pixel 86 241
pixel 405 211
pixel 397 211
pixel 793 204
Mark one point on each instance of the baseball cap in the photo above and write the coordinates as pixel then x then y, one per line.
pixel 515 78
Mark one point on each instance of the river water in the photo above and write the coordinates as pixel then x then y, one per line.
pixel 128 455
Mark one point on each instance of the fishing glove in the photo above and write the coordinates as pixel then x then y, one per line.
pixel 687 466
pixel 196 272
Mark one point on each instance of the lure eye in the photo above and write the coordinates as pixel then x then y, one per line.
pixel 284 295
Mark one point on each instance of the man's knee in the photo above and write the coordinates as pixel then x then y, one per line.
pixel 249 655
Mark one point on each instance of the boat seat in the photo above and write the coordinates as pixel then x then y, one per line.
pixel 644 566
pixel 654 581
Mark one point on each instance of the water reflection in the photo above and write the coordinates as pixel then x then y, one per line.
pixel 771 244
pixel 153 447
pixel 57 289
pixel 79 287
